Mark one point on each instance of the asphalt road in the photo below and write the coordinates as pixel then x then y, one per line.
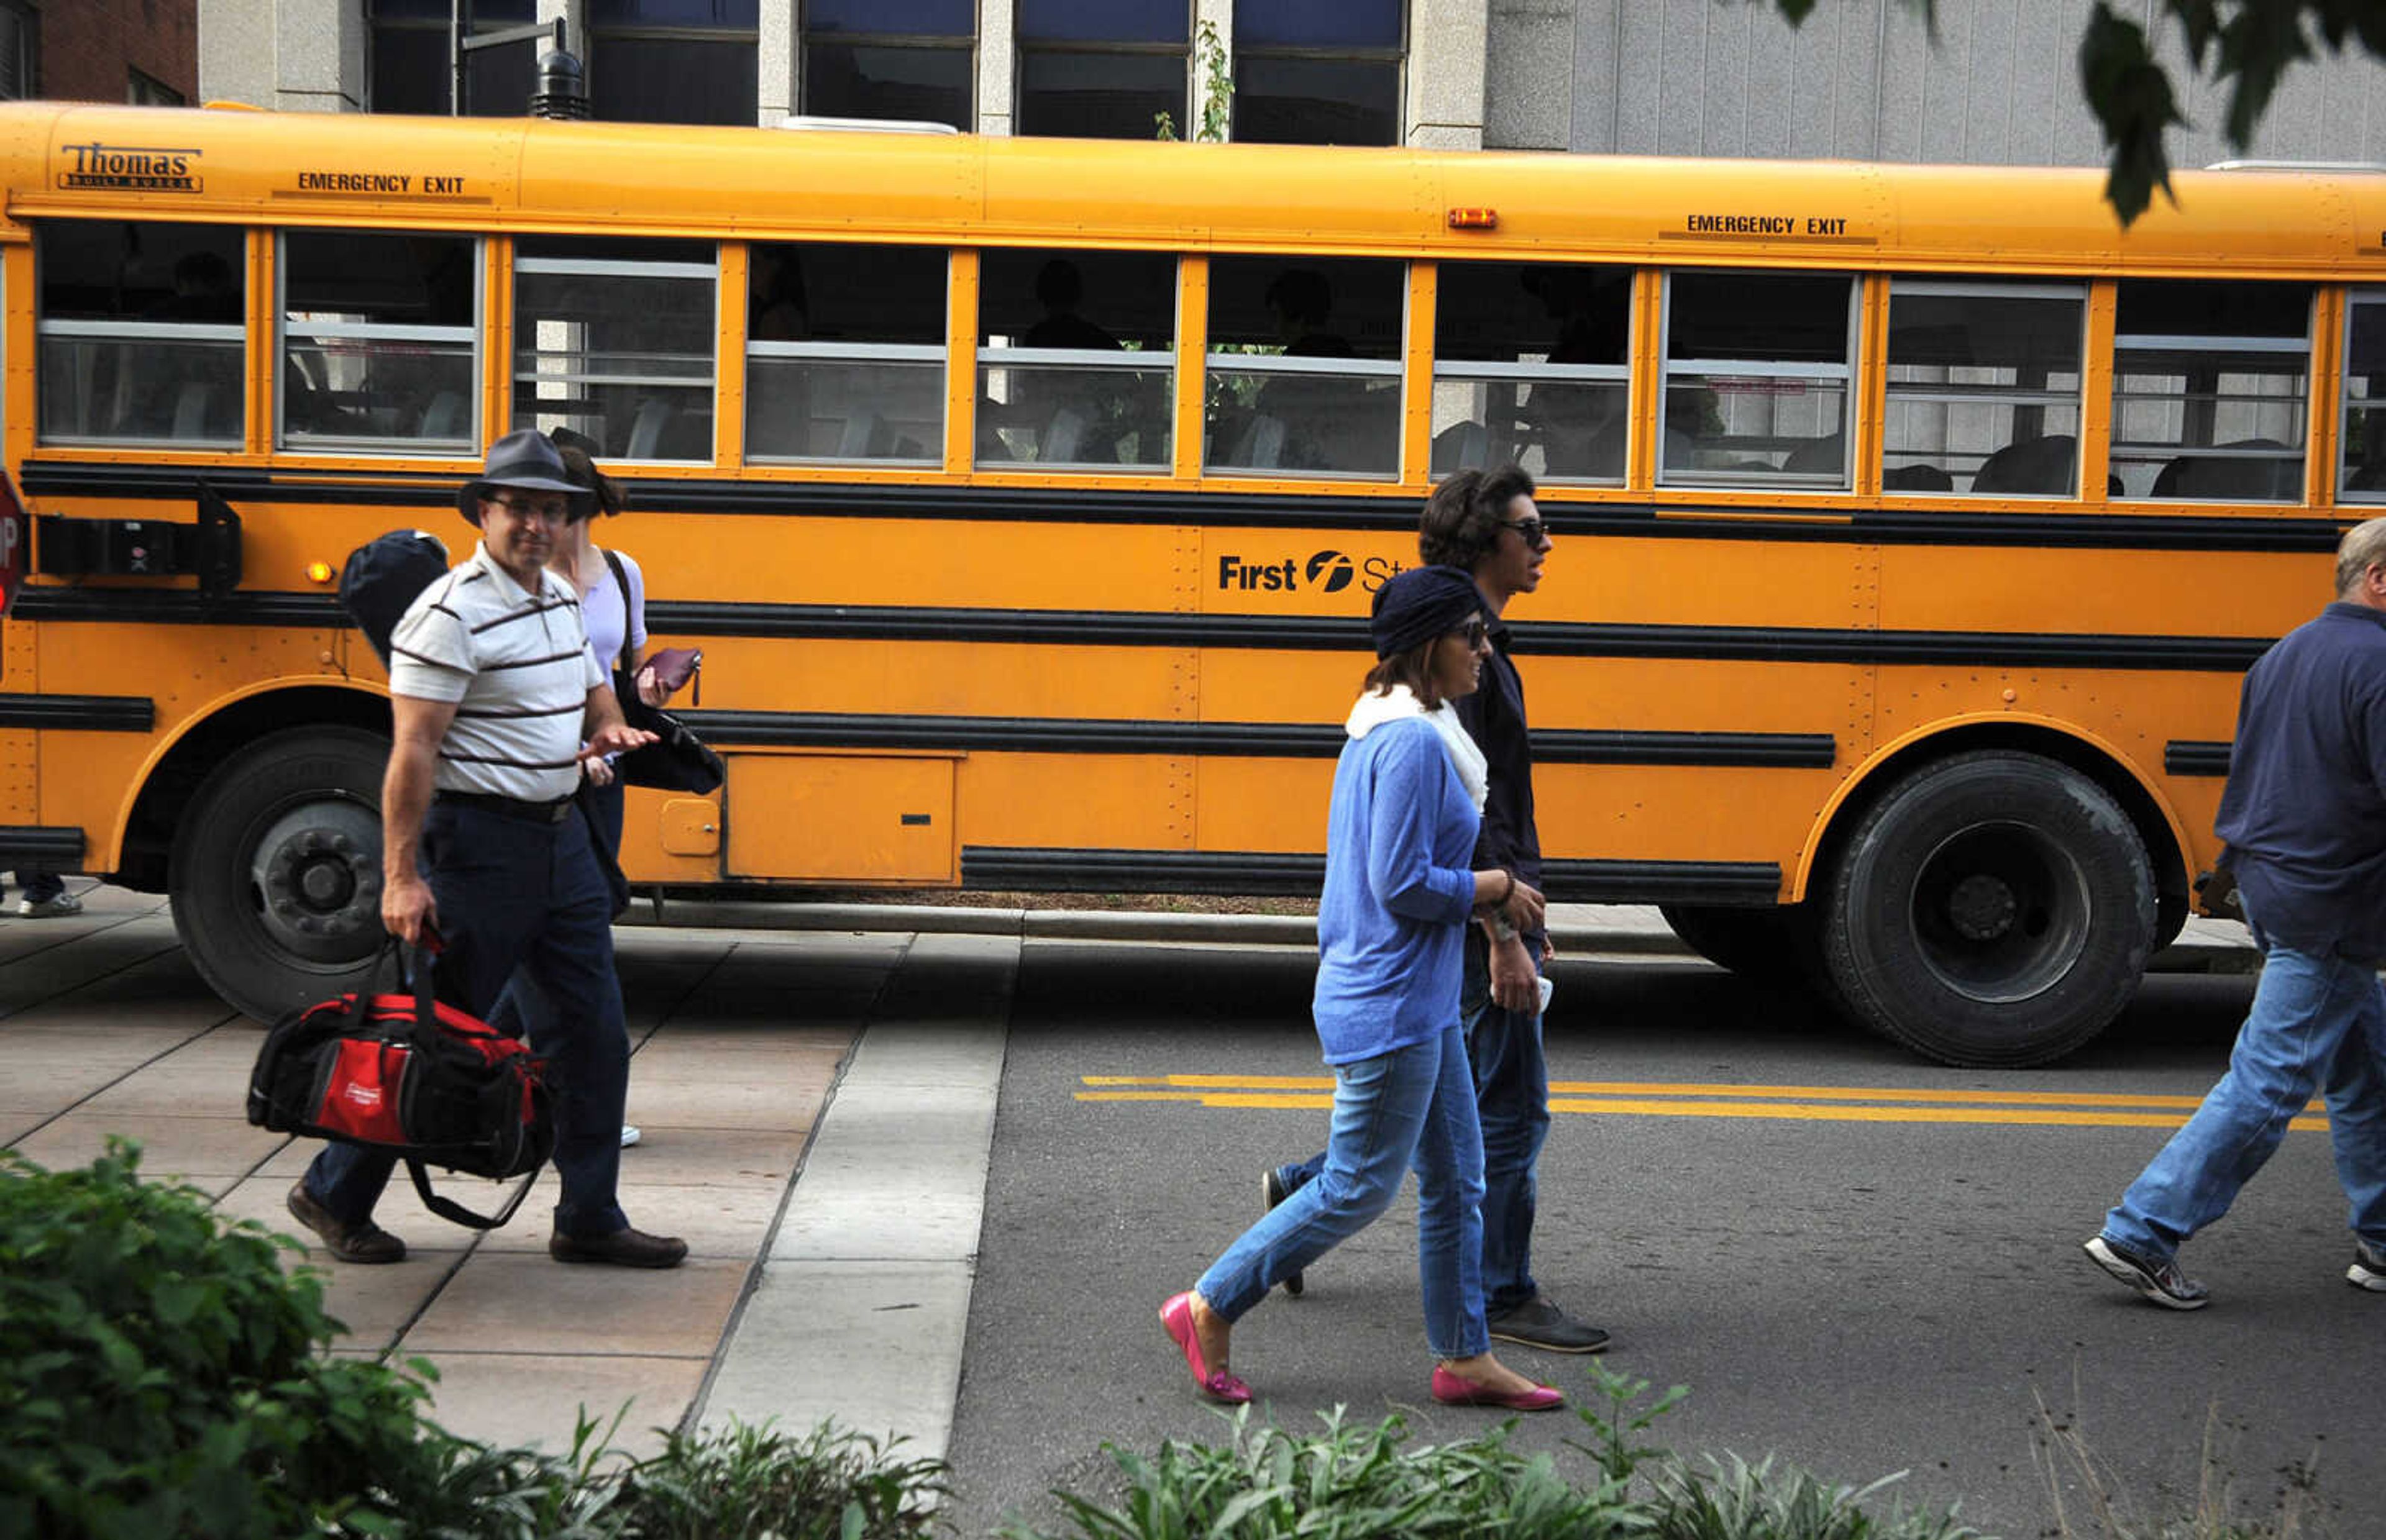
pixel 1860 1284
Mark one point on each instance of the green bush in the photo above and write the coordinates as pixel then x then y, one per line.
pixel 1349 1481
pixel 159 1373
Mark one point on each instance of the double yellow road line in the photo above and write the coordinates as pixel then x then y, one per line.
pixel 1855 1104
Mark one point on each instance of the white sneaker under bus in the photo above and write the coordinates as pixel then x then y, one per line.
pixel 630 1134
pixel 49 909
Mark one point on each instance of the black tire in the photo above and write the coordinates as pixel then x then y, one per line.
pixel 276 876
pixel 1993 910
pixel 1764 945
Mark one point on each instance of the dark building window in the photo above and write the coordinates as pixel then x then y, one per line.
pixel 910 60
pixel 411 66
pixel 20 35
pixel 674 61
pixel 141 90
pixel 1103 68
pixel 1318 71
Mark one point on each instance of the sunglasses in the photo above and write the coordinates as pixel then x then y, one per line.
pixel 556 510
pixel 1532 530
pixel 1474 631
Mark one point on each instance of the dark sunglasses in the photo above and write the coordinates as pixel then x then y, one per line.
pixel 1475 632
pixel 1533 531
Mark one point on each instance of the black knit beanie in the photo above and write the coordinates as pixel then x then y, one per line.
pixel 1422 604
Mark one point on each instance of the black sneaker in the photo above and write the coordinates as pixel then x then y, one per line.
pixel 1273 1192
pixel 1537 1322
pixel 2369 1268
pixel 2159 1282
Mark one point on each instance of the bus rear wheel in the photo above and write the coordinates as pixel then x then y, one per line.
pixel 276 877
pixel 1994 910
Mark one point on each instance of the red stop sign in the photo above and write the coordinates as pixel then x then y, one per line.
pixel 16 543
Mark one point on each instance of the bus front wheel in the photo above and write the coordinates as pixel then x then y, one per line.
pixel 276 877
pixel 1994 909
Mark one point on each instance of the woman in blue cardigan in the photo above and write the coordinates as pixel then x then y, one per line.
pixel 1408 798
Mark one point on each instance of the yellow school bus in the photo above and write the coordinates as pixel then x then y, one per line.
pixel 1915 525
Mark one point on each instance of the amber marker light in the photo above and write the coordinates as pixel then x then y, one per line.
pixel 1474 219
pixel 319 572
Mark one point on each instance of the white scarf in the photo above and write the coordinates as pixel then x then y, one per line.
pixel 1371 711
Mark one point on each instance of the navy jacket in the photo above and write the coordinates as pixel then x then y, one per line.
pixel 1494 717
pixel 2304 810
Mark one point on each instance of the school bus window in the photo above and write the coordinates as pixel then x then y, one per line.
pixel 613 339
pixel 1983 388
pixel 2211 390
pixel 1304 366
pixel 1756 375
pixel 1076 361
pixel 377 340
pixel 1532 363
pixel 2362 476
pixel 140 333
pixel 845 353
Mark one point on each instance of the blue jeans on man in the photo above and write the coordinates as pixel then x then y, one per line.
pixel 1410 1108
pixel 1511 1103
pixel 514 893
pixel 2318 1022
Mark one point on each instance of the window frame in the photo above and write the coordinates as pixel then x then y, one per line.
pixel 1846 372
pixel 2050 291
pixel 525 407
pixel 475 334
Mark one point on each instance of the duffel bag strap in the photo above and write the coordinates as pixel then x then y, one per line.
pixel 456 1213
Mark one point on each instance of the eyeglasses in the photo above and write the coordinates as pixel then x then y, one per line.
pixel 554 510
pixel 1531 531
pixel 1474 631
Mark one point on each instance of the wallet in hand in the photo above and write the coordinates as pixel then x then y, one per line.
pixel 672 667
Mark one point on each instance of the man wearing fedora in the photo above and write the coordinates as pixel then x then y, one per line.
pixel 493 693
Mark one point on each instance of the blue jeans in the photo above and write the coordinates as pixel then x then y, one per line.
pixel 2317 1021
pixel 1410 1108
pixel 516 893
pixel 1511 1105
pixel 523 1010
pixel 40 885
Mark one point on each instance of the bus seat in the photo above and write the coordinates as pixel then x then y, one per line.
pixel 1460 446
pixel 1063 437
pixel 1818 455
pixel 1263 444
pixel 647 428
pixel 191 410
pixel 2040 467
pixel 1917 477
pixel 2276 478
pixel 443 417
pixel 857 439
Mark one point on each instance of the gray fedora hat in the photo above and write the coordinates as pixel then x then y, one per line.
pixel 525 458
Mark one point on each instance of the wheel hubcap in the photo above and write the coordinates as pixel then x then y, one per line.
pixel 315 879
pixel 2000 912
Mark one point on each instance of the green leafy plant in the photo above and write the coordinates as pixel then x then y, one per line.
pixel 830 1485
pixel 159 1373
pixel 1218 95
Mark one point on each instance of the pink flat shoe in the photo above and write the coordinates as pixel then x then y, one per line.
pixel 1452 1391
pixel 1216 1383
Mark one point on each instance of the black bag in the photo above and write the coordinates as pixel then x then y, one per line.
pixel 384 575
pixel 678 760
pixel 412 1078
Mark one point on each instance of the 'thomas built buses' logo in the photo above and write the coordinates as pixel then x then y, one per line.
pixel 1322 572
pixel 129 169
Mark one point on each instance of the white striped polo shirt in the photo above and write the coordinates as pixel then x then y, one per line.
pixel 516 666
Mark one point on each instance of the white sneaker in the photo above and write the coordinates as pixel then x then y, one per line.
pixel 49 909
pixel 2369 1268
pixel 630 1134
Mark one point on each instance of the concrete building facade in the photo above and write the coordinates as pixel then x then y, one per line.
pixel 1861 79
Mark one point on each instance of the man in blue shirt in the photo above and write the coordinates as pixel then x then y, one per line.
pixel 2303 819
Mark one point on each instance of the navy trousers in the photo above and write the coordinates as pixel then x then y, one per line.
pixel 516 893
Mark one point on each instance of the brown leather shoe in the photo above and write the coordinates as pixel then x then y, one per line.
pixel 363 1242
pixel 623 1248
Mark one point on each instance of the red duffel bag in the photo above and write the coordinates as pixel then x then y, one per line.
pixel 414 1079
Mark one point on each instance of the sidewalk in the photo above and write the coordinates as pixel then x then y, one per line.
pixel 816 1085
